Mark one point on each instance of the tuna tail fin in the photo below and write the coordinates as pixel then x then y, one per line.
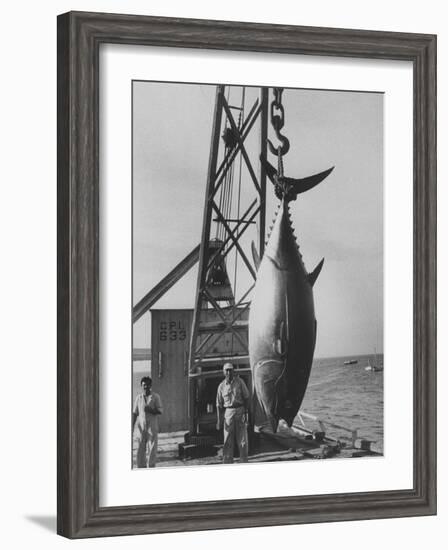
pixel 305 184
pixel 289 186
pixel 255 256
pixel 315 273
pixel 270 170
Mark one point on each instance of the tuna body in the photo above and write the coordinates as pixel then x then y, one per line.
pixel 282 324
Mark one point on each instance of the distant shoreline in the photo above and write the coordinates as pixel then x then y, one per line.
pixel 347 356
pixel 138 367
pixel 143 367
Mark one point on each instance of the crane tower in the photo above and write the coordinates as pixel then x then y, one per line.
pixel 235 206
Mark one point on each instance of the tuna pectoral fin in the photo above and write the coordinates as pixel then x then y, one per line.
pixel 255 256
pixel 315 273
pixel 266 376
pixel 280 344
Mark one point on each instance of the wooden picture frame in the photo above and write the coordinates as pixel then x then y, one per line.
pixel 79 38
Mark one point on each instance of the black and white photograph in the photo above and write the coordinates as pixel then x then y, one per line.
pixel 223 267
pixel 257 274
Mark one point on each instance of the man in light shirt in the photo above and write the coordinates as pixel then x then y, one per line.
pixel 232 404
pixel 147 407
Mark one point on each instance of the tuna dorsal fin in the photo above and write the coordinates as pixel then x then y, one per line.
pixel 255 256
pixel 315 273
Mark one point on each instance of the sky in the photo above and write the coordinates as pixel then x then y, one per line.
pixel 341 219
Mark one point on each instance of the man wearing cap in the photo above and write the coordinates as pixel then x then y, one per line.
pixel 232 403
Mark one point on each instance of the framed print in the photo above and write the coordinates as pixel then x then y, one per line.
pixel 246 274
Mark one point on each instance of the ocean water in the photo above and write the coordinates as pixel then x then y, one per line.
pixel 346 395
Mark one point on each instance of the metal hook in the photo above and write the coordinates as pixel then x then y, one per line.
pixel 283 148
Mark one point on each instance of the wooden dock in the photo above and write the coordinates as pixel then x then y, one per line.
pixel 288 444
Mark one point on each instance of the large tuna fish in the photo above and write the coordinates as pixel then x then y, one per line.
pixel 282 325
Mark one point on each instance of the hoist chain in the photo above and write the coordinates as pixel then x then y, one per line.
pixel 278 121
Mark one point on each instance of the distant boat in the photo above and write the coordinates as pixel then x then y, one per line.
pixel 376 367
pixel 351 362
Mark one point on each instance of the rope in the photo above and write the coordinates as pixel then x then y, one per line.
pixel 280 162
